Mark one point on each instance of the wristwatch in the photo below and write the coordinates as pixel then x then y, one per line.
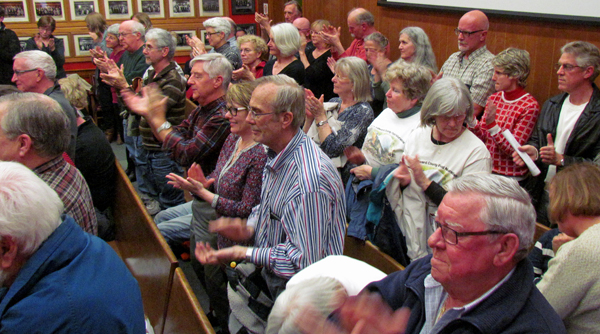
pixel 164 126
pixel 321 123
pixel 562 162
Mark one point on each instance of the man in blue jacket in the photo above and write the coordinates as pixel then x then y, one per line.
pixel 478 279
pixel 55 278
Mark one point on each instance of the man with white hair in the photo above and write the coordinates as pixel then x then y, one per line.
pixel 35 72
pixel 35 132
pixel 218 31
pixel 54 277
pixel 153 162
pixel 478 279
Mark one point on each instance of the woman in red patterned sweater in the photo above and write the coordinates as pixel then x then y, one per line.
pixel 510 108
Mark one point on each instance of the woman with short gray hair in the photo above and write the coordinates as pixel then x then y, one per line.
pixel 439 151
pixel 510 108
pixel 283 44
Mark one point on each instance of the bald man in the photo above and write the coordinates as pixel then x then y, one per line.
pixel 361 23
pixel 303 26
pixel 472 64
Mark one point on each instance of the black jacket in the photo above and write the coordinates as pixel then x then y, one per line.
pixel 9 47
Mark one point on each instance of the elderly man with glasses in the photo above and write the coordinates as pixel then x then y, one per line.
pixel 478 279
pixel 568 129
pixel 472 64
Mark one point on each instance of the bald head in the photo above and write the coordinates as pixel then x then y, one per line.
pixel 360 23
pixel 472 31
pixel 303 25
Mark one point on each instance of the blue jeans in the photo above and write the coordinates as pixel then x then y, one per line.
pixel 152 167
pixel 133 143
pixel 174 223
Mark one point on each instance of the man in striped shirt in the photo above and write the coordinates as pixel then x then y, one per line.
pixel 300 219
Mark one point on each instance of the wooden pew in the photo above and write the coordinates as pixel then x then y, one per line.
pixel 184 314
pixel 369 253
pixel 539 231
pixel 143 249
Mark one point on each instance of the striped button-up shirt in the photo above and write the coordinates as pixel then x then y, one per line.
pixel 301 216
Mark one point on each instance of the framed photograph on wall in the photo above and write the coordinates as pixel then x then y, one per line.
pixel 211 7
pixel 80 8
pixel 83 44
pixel 117 9
pixel 52 8
pixel 65 39
pixel 154 8
pixel 15 11
pixel 241 7
pixel 181 43
pixel 182 8
pixel 249 28
pixel 23 41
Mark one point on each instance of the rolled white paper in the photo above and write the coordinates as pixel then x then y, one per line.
pixel 535 171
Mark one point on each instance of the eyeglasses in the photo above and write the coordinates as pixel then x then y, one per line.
pixel 150 47
pixel 465 33
pixel 17 73
pixel 255 114
pixel 234 111
pixel 451 236
pixel 208 34
pixel 566 67
pixel 123 34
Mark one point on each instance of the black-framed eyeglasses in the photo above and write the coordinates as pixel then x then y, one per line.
pixel 566 67
pixel 465 32
pixel 255 114
pixel 234 111
pixel 451 236
pixel 150 47
pixel 24 71
pixel 208 34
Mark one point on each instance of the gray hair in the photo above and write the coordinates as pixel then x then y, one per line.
pixel 114 29
pixel 378 38
pixel 508 207
pixel 215 64
pixel 586 54
pixel 29 209
pixel 295 3
pixel 289 97
pixel 514 63
pixel 287 38
pixel 138 28
pixel 323 294
pixel 39 59
pixel 416 79
pixel 163 39
pixel 39 117
pixel 356 70
pixel 423 51
pixel 219 24
pixel 364 16
pixel 447 97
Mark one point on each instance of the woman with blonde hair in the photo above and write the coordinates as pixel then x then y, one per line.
pixel 254 52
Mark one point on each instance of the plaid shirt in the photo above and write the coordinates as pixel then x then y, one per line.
pixel 72 189
pixel 200 137
pixel 518 116
pixel 476 72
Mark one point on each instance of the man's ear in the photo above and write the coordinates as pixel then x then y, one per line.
pixel 25 144
pixel 588 72
pixel 508 246
pixel 8 252
pixel 286 119
pixel 218 82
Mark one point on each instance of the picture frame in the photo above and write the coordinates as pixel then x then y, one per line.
pixel 15 11
pixel 242 7
pixel 82 44
pixel 80 8
pixel 53 8
pixel 117 9
pixel 181 43
pixel 22 41
pixel 249 28
pixel 211 7
pixel 66 43
pixel 154 8
pixel 182 8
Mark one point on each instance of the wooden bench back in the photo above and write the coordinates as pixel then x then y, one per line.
pixel 539 231
pixel 184 314
pixel 369 253
pixel 144 250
